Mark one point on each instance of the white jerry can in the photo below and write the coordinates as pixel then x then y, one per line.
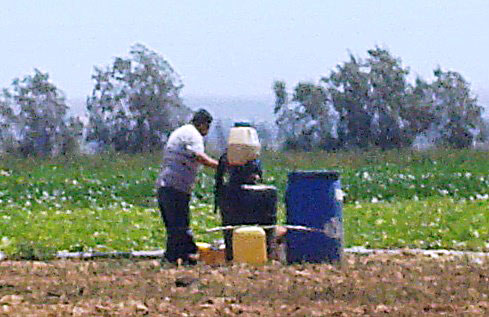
pixel 243 145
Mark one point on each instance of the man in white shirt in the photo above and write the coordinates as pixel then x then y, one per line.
pixel 183 155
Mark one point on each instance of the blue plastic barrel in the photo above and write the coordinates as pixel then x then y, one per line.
pixel 314 199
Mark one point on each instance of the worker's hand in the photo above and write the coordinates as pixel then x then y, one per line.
pixel 206 160
pixel 255 178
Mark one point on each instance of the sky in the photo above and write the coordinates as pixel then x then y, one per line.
pixel 233 48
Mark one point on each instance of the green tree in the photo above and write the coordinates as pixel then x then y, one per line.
pixel 221 138
pixel 388 94
pixel 7 119
pixel 34 116
pixel 376 105
pixel 313 109
pixel 135 102
pixel 281 96
pixel 458 116
pixel 286 120
pixel 484 131
pixel 349 87
pixel 417 112
pixel 304 122
pixel 265 134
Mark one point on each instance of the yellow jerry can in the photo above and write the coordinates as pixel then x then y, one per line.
pixel 210 255
pixel 249 245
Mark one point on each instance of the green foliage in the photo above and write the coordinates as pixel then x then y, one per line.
pixel 33 251
pixel 434 199
pixel 348 88
pixel 33 118
pixel 457 111
pixel 369 103
pixel 7 120
pixel 304 122
pixel 433 223
pixel 388 95
pixel 135 102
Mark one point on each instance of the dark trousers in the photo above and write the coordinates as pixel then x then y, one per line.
pixel 174 209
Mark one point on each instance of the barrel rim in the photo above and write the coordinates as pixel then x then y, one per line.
pixel 258 187
pixel 315 174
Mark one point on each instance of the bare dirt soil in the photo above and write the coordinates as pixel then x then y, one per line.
pixel 370 285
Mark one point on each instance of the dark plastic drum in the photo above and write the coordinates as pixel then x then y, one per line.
pixel 248 205
pixel 314 199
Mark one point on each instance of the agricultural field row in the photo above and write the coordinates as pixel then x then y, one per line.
pixel 432 200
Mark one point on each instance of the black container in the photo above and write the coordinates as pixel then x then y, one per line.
pixel 248 205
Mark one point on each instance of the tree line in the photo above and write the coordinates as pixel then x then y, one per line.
pixel 371 104
pixel 135 103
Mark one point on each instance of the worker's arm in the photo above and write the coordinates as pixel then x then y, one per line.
pixel 206 160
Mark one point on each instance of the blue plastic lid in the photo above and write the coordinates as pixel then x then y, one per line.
pixel 315 174
pixel 242 124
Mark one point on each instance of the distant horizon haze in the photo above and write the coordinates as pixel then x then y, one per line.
pixel 253 108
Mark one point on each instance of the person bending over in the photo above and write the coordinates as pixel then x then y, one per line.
pixel 183 155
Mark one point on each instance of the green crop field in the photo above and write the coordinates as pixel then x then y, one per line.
pixel 409 199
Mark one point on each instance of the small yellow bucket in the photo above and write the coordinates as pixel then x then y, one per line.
pixel 249 245
pixel 210 255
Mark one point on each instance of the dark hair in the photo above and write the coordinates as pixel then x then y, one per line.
pixel 202 116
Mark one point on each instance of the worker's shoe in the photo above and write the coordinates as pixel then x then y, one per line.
pixel 191 259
